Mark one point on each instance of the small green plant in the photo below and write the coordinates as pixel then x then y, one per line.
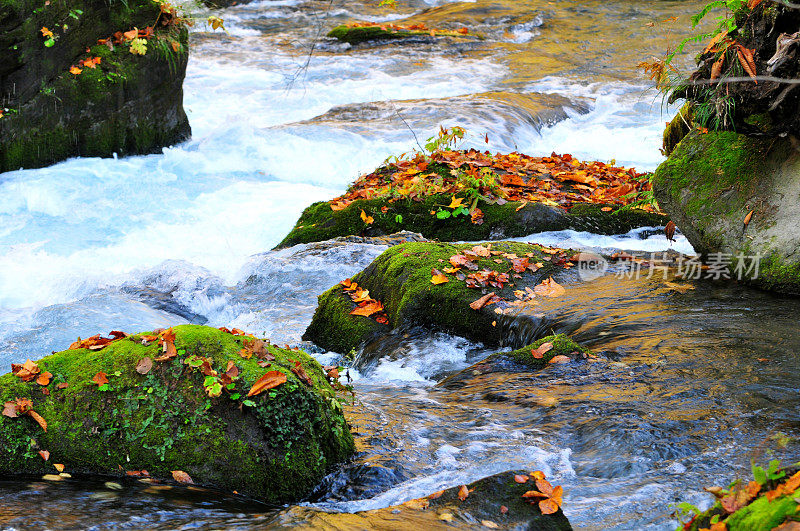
pixel 446 139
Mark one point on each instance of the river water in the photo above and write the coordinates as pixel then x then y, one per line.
pixel 695 378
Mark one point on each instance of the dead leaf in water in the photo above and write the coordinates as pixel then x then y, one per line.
pixel 480 303
pixel 549 288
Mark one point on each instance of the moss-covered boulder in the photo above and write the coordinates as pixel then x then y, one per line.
pixel 482 508
pixel 711 184
pixel 531 357
pixel 73 88
pixel 401 280
pixel 274 446
pixel 365 31
pixel 501 220
pixel 768 502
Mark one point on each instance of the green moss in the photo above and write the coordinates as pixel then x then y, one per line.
pixel 677 128
pixel 710 166
pixel 562 346
pixel 334 328
pixel 128 104
pixel 357 35
pixel 758 515
pixel 401 279
pixel 775 274
pixel 276 450
pixel 512 219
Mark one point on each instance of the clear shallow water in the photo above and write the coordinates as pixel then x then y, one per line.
pixel 679 401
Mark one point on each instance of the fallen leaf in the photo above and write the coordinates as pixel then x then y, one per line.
pixel 503 509
pixel 367 219
pixel 439 278
pixel 560 359
pixel 748 217
pixel 132 34
pixel 270 380
pixel 59 467
pixel 62 385
pixel 144 365
pixel 480 303
pixel 541 350
pixel 44 379
pixel 100 378
pixel 419 504
pixel 10 410
pixel 368 308
pixel 38 418
pixel 463 493
pixel 75 71
pixel 669 231
pixel 489 524
pixel 519 478
pixel 456 202
pixel 716 68
pixel 181 477
pixel 44 454
pixel 549 288
pixel 301 373
pixel 435 495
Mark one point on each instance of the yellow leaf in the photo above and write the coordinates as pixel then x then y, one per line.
pixel 46 32
pixel 456 202
pixel 439 279
pixel 75 70
pixel 367 219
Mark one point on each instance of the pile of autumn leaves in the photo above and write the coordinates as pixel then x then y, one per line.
pixel 464 268
pixel 557 180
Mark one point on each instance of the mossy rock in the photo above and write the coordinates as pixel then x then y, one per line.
pixel 276 447
pixel 127 104
pixel 444 510
pixel 359 34
pixel 759 514
pixel 512 219
pixel 677 128
pixel 518 360
pixel 401 279
pixel 709 185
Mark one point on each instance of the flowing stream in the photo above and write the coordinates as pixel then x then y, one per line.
pixel 694 378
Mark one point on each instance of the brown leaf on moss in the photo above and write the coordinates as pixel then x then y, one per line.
pixel 270 380
pixel 10 410
pixel 100 378
pixel 549 288
pixel 25 372
pixel 463 493
pixel 144 365
pixel 561 358
pixel 519 478
pixel 181 477
pixel 44 379
pixel 541 350
pixel 38 418
pixel 435 495
pixel 62 385
pixel 483 301
pixel 301 373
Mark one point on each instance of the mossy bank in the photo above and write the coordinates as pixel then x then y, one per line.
pixel 735 196
pixel 400 278
pixel 274 446
pixel 507 220
pixel 57 107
